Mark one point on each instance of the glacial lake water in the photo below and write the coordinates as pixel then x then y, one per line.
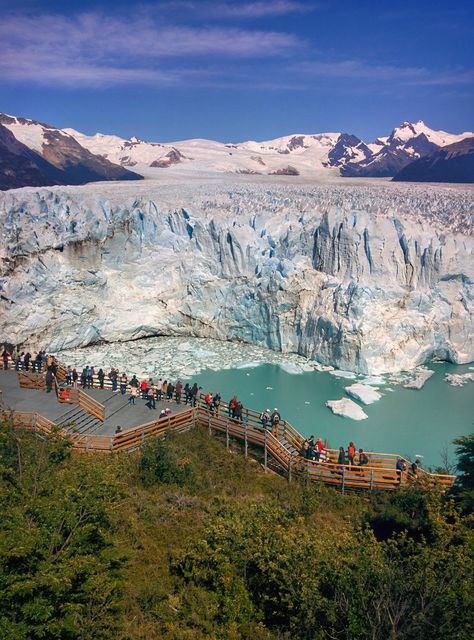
pixel 409 422
pixel 406 421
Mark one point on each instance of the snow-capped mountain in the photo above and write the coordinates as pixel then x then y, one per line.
pixel 404 145
pixel 84 158
pixel 452 163
pixel 48 155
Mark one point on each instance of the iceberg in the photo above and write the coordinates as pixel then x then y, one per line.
pixel 421 375
pixel 347 408
pixel 459 379
pixel 362 392
pixel 337 373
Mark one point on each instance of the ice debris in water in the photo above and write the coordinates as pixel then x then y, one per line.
pixel 459 379
pixel 343 374
pixel 347 408
pixel 171 357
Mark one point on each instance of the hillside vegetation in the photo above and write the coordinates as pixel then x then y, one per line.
pixel 186 540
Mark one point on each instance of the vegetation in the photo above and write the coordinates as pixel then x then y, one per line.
pixel 186 540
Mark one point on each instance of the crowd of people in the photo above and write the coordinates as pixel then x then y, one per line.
pixel 188 394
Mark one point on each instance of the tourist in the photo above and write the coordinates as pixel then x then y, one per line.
pixel 123 383
pixel 304 449
pixel 151 404
pixel 341 459
pixel 265 418
pixel 118 430
pixel 351 451
pixel 275 420
pixel 415 467
pixel 84 378
pixel 164 389
pixel 179 390
pixel 187 393
pixel 159 389
pixel 208 401
pixel 134 381
pixel 163 414
pixel 49 379
pixel 101 378
pixel 5 358
pixel 27 360
pixel 194 394
pixel 89 377
pixel 113 376
pixel 401 466
pixel 170 391
pixel 37 363
pixel 363 458
pixel 75 377
pixel 238 411
pixel 232 405
pixel 133 395
pixel 144 389
pixel 310 454
pixel 68 375
pixel 216 403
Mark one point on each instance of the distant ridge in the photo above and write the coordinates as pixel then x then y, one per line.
pixel 46 155
pixel 453 163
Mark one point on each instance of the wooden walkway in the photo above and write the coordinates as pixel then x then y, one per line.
pixel 278 448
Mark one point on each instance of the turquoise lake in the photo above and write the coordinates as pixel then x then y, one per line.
pixel 406 421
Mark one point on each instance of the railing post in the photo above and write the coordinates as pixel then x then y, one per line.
pixel 245 440
pixel 343 477
pixel 289 468
pixel 265 454
pixel 227 434
pixel 209 423
pixel 371 479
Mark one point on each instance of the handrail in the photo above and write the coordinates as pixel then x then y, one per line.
pixel 84 400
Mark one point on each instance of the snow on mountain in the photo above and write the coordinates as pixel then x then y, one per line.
pixel 64 160
pixel 299 154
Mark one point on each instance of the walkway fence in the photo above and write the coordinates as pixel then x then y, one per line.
pixel 278 448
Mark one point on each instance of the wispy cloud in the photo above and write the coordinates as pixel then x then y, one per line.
pixel 363 71
pixel 94 48
pixel 246 10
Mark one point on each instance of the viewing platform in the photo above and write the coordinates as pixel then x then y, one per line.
pixel 90 418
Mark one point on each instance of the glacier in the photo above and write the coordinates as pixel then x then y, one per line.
pixel 369 277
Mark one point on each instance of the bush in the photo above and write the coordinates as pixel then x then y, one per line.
pixel 160 464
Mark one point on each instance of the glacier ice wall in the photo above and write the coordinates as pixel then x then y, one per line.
pixel 371 279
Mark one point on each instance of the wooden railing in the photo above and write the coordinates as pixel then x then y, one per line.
pixel 380 472
pixel 29 380
pixel 84 400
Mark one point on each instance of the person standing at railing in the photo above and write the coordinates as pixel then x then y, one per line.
pixel 238 411
pixel 84 378
pixel 216 403
pixel 319 449
pixel 88 377
pixel 113 376
pixel 363 458
pixel 265 418
pixel 133 395
pixel 37 363
pixel 232 405
pixel 179 391
pixel 68 375
pixel 194 394
pixel 123 383
pixel 75 377
pixel 351 451
pixel 151 404
pixel 341 458
pixel 27 360
pixel 5 357
pixel 101 378
pixel 170 391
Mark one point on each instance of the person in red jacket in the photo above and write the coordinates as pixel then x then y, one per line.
pixel 351 451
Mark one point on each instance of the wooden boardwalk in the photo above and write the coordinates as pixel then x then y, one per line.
pixel 278 448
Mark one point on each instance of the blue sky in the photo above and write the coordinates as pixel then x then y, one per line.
pixel 232 71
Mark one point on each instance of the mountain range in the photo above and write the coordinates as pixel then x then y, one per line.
pixel 37 154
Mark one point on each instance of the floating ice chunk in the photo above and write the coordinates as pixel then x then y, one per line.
pixel 306 402
pixel 293 368
pixel 347 408
pixel 362 392
pixel 459 379
pixel 343 374
pixel 248 364
pixel 421 376
pixel 269 388
pixel 373 381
